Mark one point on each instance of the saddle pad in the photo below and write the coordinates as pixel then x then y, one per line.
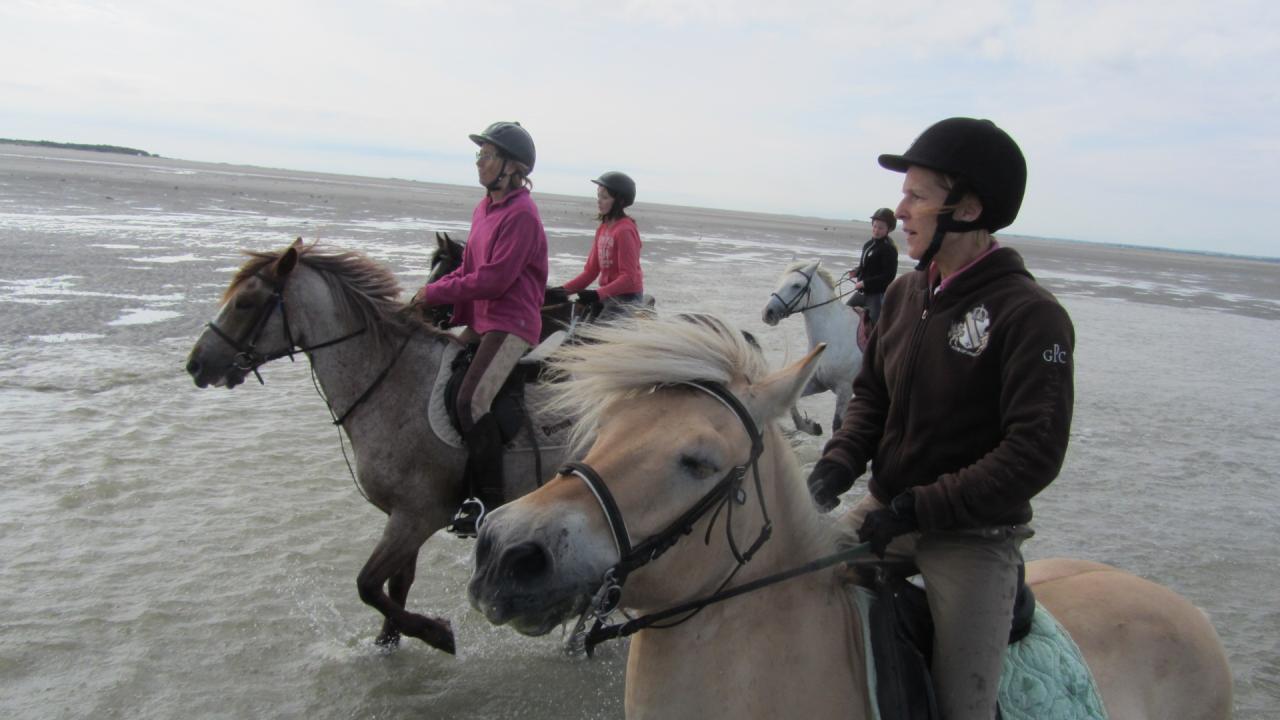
pixel 551 433
pixel 1044 675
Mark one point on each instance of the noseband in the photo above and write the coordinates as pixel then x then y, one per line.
pixel 724 495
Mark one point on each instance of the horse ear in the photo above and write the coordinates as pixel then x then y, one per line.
pixel 442 241
pixel 774 395
pixel 287 261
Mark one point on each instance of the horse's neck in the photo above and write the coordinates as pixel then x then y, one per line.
pixel 789 650
pixel 829 319
pixel 346 370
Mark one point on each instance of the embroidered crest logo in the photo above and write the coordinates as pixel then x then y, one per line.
pixel 969 335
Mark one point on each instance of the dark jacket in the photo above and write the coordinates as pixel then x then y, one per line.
pixel 878 265
pixel 965 395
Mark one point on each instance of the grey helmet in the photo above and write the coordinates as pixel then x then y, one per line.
pixel 513 140
pixel 886 216
pixel 620 186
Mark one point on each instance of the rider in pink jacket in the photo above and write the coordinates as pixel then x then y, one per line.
pixel 497 294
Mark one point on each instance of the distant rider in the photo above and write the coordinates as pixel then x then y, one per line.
pixel 878 265
pixel 615 252
pixel 497 294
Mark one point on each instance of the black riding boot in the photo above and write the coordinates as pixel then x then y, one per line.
pixel 482 476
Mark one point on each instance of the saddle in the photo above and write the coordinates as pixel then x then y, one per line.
pixel 508 404
pixel 901 630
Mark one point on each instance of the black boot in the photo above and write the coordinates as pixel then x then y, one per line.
pixel 483 477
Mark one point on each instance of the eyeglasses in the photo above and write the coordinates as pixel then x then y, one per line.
pixel 482 156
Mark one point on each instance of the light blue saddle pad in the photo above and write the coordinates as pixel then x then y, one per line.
pixel 1044 676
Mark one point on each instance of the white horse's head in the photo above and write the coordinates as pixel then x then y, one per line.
pixel 801 286
pixel 652 393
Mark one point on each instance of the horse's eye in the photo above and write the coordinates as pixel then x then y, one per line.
pixel 244 303
pixel 697 468
pixel 796 285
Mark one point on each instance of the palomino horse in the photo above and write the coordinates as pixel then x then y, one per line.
pixel 673 457
pixel 808 288
pixel 376 364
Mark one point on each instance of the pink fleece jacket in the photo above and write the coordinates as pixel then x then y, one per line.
pixel 503 276
pixel 615 258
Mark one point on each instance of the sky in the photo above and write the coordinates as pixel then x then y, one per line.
pixel 1145 123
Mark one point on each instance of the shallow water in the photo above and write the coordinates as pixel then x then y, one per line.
pixel 171 551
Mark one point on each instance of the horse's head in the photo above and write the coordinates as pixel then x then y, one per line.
pixel 801 286
pixel 676 454
pixel 250 326
pixel 446 258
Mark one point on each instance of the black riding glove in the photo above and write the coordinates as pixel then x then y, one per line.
pixel 555 296
pixel 881 526
pixel 589 297
pixel 827 481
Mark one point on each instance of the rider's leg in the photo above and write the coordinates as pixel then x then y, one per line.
pixel 874 303
pixel 494 360
pixel 971 578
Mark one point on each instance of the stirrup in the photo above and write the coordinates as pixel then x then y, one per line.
pixel 466 523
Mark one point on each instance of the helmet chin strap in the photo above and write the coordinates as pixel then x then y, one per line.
pixel 499 181
pixel 946 223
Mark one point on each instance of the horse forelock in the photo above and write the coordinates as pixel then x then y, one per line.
pixel 632 357
pixel 822 272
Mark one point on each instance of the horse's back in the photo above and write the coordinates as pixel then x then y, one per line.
pixel 1152 653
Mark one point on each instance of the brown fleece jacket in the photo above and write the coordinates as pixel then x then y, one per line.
pixel 964 395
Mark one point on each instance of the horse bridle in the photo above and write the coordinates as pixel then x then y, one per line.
pixel 724 494
pixel 247 357
pixel 789 308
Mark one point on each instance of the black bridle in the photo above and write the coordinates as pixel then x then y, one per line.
pixel 724 495
pixel 248 358
pixel 806 293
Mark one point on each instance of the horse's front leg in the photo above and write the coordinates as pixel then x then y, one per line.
pixel 398 589
pixel 844 393
pixel 398 548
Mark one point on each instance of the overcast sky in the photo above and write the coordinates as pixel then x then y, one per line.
pixel 1151 123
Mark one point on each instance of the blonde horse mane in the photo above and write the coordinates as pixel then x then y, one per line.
pixel 634 356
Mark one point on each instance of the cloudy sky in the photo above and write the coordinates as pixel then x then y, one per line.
pixel 1150 123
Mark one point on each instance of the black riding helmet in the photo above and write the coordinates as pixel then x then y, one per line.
pixel 620 185
pixel 983 159
pixel 886 216
pixel 513 140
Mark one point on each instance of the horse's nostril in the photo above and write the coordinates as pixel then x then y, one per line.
pixel 193 367
pixel 525 562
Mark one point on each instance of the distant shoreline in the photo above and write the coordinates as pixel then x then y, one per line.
pixel 79 146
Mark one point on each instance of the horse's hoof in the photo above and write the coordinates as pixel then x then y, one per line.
pixel 387 641
pixel 438 633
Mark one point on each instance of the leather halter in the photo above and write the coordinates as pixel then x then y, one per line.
pixel 725 494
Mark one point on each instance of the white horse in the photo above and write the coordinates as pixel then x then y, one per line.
pixel 673 408
pixel 807 288
pixel 379 367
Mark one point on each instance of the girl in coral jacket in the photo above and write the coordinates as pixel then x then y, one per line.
pixel 615 253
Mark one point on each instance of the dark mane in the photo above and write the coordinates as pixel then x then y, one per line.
pixel 367 289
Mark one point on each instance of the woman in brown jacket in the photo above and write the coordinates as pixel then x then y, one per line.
pixel 963 404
